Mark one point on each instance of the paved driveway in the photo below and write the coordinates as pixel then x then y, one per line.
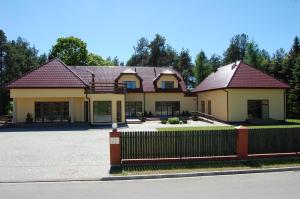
pixel 53 155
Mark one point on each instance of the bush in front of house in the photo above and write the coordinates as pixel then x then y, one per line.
pixel 164 121
pixel 173 120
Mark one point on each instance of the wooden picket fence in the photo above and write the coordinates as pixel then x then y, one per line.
pixel 177 144
pixel 274 140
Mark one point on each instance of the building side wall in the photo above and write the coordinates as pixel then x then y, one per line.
pixel 238 102
pixel 218 100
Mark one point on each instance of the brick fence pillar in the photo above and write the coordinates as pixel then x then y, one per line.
pixel 242 142
pixel 115 148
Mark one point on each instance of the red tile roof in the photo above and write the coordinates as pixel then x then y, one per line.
pixel 53 74
pixel 111 73
pixel 239 75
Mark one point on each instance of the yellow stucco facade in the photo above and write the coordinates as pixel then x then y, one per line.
pixel 25 99
pixel 231 104
pixel 149 99
pixel 113 98
pixel 130 77
pixel 218 100
pixel 238 102
pixel 167 78
pixel 225 104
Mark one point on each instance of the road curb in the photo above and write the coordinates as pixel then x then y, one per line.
pixel 158 176
pixel 198 174
pixel 50 181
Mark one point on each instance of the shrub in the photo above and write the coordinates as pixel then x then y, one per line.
pixel 173 120
pixel 150 114
pixel 164 121
pixel 29 118
pixel 184 121
pixel 187 113
pixel 8 109
pixel 145 114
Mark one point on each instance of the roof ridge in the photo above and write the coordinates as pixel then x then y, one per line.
pixel 237 67
pixel 72 72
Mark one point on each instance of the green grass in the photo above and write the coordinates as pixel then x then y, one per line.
pixel 289 123
pixel 196 128
pixel 297 121
pixel 207 166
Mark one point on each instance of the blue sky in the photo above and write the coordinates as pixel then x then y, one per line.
pixel 111 28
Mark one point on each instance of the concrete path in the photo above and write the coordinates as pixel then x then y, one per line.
pixel 283 185
pixel 53 155
pixel 153 125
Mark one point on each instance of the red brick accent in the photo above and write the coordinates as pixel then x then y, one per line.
pixel 242 142
pixel 115 148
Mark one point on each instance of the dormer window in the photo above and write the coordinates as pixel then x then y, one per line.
pixel 167 84
pixel 130 84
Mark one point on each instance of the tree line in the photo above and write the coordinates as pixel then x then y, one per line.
pixel 18 56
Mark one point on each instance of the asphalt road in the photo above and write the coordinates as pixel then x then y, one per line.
pixel 285 185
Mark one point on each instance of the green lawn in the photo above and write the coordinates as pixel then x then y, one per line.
pixel 207 166
pixel 290 123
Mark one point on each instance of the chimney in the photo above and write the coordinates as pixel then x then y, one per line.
pixel 233 65
pixel 134 69
pixel 154 72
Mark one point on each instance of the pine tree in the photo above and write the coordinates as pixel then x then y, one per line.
pixel 237 48
pixel 202 67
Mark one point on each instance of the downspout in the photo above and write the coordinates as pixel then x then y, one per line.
pixel 197 105
pixel 89 107
pixel 227 105
pixel 284 98
pixel 144 104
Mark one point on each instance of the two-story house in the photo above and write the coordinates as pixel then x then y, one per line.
pixel 55 92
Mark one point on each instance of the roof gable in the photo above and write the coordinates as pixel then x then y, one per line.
pixel 53 74
pixel 238 75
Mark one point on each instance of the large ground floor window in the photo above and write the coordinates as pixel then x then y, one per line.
pixel 102 112
pixel 166 109
pixel 132 108
pixel 51 111
pixel 258 109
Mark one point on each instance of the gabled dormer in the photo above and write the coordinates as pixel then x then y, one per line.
pixel 167 80
pixel 131 79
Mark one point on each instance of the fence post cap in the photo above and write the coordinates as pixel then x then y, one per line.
pixel 241 127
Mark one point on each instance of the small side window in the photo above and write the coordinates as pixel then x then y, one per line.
pixel 202 106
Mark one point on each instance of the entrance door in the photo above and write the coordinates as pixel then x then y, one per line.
pixel 51 111
pixel 102 112
pixel 132 108
pixel 166 109
pixel 258 109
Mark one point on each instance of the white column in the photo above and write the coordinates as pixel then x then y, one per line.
pixel 14 119
pixel 71 109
